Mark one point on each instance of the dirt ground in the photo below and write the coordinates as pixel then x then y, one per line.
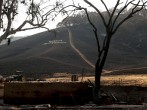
pixel 124 80
pixel 126 87
pixel 1 90
pixel 115 80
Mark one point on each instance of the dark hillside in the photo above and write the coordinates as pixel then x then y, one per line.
pixel 84 40
pixel 45 53
pixel 128 46
pixel 38 55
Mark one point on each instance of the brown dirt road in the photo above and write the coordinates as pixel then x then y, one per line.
pixel 79 52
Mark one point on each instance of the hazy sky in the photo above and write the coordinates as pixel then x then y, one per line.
pixel 52 24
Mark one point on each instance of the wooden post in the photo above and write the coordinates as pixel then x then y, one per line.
pixel 74 78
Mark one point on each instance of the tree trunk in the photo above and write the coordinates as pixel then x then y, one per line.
pixel 97 87
pixel 98 71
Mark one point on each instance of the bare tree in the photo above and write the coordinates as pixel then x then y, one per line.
pixel 111 24
pixel 36 15
pixel 112 21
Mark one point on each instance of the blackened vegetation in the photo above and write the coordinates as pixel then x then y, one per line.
pixel 57 93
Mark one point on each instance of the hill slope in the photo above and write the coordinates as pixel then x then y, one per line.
pixel 46 53
pixel 41 54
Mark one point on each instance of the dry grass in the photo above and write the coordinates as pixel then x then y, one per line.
pixel 68 79
pixel 140 80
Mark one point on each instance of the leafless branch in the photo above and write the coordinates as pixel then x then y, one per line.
pixel 111 16
pixel 139 4
pixel 126 5
pixel 130 15
pixel 95 30
pixel 106 7
pixel 102 17
pixel 37 19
